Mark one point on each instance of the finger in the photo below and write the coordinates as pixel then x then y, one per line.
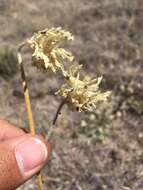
pixel 20 159
pixel 8 130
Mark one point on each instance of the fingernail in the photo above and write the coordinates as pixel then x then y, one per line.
pixel 30 154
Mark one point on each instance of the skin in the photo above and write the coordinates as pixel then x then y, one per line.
pixel 11 176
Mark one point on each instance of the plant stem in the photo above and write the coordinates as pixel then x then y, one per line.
pixel 40 183
pixel 28 103
pixel 28 107
pixel 51 130
pixel 59 110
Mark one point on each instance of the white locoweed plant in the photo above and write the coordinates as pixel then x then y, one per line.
pixel 79 94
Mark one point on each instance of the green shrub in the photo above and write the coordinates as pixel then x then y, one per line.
pixel 8 63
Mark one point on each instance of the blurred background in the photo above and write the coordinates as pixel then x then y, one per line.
pixel 92 151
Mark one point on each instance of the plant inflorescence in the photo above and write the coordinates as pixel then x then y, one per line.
pixel 80 94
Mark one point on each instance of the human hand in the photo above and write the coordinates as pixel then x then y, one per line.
pixel 21 155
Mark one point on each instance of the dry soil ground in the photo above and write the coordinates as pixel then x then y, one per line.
pixel 97 151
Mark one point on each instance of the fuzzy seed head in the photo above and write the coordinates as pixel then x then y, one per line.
pixel 83 95
pixel 46 52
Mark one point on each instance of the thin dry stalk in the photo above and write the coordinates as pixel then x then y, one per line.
pixel 28 104
pixel 51 129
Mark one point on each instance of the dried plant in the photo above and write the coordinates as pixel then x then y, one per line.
pixel 83 95
pixel 78 94
pixel 46 52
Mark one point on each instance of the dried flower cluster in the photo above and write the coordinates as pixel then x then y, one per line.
pixel 46 52
pixel 80 95
pixel 83 95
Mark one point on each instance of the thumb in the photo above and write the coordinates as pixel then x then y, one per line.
pixel 20 159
